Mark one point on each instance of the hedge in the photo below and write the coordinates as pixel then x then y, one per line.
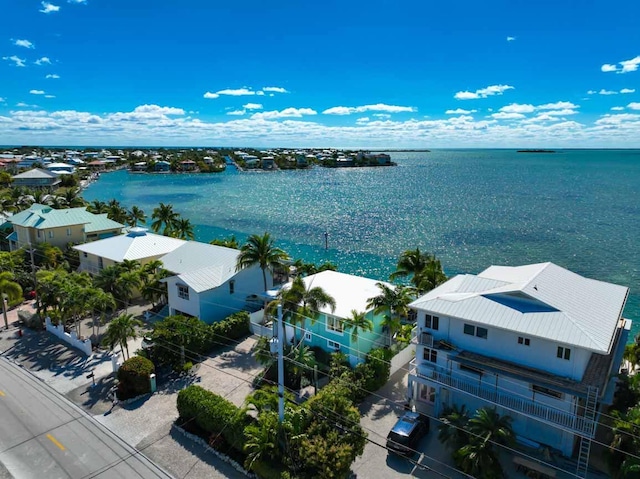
pixel 133 377
pixel 213 413
pixel 232 327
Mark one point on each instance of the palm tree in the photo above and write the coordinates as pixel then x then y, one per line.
pixel 136 215
pixel 623 443
pixel 260 250
pixel 101 302
pixel 116 212
pixel 107 280
pixel 73 198
pixel 632 352
pixel 486 429
pixel 410 263
pixel 230 242
pixel 393 302
pixel 453 430
pixel 164 215
pixel 183 229
pixel 301 302
pixel 120 330
pixel 126 283
pixel 357 323
pixel 430 277
pixel 9 290
pixel 262 439
pixel 303 359
pixel 98 207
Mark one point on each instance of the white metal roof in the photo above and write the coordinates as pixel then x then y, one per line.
pixel 202 266
pixel 137 244
pixel 542 300
pixel 350 292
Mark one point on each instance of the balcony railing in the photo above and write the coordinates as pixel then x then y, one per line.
pixel 557 417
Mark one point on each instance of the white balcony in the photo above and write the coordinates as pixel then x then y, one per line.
pixel 566 420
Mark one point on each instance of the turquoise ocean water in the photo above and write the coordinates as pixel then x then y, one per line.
pixel 473 208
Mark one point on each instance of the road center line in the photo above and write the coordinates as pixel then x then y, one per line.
pixel 55 441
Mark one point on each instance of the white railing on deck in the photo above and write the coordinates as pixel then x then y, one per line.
pixel 549 414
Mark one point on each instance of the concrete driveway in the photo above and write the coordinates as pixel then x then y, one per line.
pixel 378 417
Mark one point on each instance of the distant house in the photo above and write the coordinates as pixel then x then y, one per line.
pixel 251 161
pixel 139 166
pixel 205 283
pixel 538 342
pixel 43 224
pixel 136 245
pixel 161 165
pixel 36 178
pixel 96 165
pixel 59 168
pixel 188 165
pixel 327 331
pixel 268 162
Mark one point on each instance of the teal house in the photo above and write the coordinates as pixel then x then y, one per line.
pixel 329 331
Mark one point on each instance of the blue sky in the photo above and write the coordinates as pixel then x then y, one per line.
pixel 380 73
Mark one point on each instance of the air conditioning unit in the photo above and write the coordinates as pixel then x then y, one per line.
pixel 427 340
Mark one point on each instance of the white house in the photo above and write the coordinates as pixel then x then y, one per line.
pixel 538 342
pixel 136 245
pixel 205 282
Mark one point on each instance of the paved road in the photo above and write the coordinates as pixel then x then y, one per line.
pixel 43 435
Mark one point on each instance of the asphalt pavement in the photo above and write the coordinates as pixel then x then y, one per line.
pixel 43 435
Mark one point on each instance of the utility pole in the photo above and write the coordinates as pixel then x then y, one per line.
pixel 280 365
pixel 35 278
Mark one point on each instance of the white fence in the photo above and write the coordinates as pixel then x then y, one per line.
pixel 256 326
pixel 401 359
pixel 83 345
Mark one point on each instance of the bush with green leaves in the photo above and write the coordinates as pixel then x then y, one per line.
pixel 213 414
pixel 232 327
pixel 133 377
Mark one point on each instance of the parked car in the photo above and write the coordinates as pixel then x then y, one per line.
pixel 407 432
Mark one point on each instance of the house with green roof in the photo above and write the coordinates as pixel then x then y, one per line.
pixel 43 224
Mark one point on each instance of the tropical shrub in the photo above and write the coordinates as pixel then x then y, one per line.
pixel 133 377
pixel 232 327
pixel 213 414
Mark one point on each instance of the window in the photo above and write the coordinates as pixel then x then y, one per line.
pixel 564 353
pixel 232 286
pixel 183 292
pixel 524 341
pixel 428 394
pixel 432 322
pixel 100 262
pixel 38 232
pixel 68 231
pixel 333 345
pixel 430 355
pixel 412 316
pixel 50 234
pixel 84 254
pixel 546 391
pixel 307 335
pixel 334 324
pixel 471 369
pixel 476 331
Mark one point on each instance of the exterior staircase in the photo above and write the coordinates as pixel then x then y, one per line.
pixel 585 440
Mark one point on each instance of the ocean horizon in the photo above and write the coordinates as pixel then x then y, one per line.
pixel 473 208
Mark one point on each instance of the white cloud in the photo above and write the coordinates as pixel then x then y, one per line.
pixel 591 92
pixel 49 7
pixel 483 92
pixel 19 62
pixel 2 100
pixel 459 111
pixel 626 66
pixel 160 110
pixel 286 113
pixel 42 61
pixel 237 112
pixel 24 43
pixel 261 93
pixel 607 92
pixel 252 106
pixel 233 92
pixel 49 96
pixel 23 104
pixel 634 106
pixel 507 116
pixel 518 108
pixel 630 65
pixel 563 112
pixel 628 90
pixel 77 1
pixel 348 110
pixel 53 76
pixel 363 120
pixel 617 108
pixel 511 39
pixel 275 89
pixel 617 119
pixel 557 105
pixel 382 115
pixel 37 92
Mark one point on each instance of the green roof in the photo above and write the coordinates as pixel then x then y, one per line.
pixel 43 217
